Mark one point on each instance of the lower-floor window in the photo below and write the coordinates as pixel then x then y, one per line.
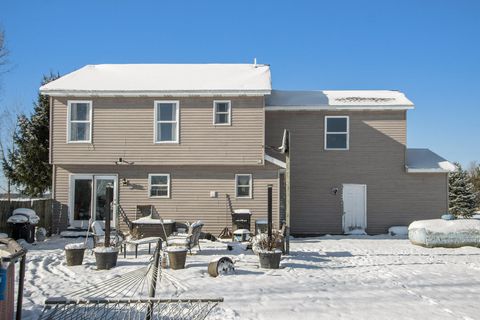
pixel 243 185
pixel 159 185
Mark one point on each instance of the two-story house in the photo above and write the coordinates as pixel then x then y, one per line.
pixel 183 137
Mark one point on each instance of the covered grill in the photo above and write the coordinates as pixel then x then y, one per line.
pixel 23 221
pixel 241 219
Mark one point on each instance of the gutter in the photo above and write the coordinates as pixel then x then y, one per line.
pixel 426 170
pixel 443 167
pixel 334 108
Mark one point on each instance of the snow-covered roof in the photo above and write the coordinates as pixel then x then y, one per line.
pixel 425 160
pixel 337 99
pixel 163 80
pixel 275 159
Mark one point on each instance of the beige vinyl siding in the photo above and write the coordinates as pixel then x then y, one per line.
pixel 190 191
pixel 376 158
pixel 124 127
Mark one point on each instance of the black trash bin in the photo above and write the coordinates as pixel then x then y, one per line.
pixel 241 219
pixel 23 223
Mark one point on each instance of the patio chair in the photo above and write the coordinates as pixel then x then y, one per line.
pixel 188 240
pixel 99 235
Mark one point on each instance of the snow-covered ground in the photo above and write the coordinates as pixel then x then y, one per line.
pixel 331 277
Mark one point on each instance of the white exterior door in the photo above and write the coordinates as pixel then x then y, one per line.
pixel 354 208
pixel 87 198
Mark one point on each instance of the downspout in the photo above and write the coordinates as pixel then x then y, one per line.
pixel 263 131
pixel 50 131
pixel 50 161
pixel 50 147
pixel 448 192
pixel 287 192
pixel 53 197
pixel 405 145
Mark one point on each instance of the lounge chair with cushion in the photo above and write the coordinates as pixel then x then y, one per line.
pixel 188 240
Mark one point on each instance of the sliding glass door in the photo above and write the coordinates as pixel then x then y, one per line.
pixel 82 199
pixel 88 199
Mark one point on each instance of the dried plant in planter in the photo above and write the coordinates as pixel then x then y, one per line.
pixel 134 234
pixel 261 242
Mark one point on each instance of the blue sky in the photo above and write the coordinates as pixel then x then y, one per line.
pixel 428 49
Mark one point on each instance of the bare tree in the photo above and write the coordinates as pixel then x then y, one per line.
pixel 8 126
pixel 7 117
pixel 3 52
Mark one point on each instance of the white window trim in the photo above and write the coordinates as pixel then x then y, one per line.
pixel 326 133
pixel 155 122
pixel 229 102
pixel 69 113
pixel 150 185
pixel 250 185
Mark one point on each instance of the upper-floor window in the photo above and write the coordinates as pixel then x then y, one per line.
pixel 166 121
pixel 79 123
pixel 243 185
pixel 159 185
pixel 222 112
pixel 336 133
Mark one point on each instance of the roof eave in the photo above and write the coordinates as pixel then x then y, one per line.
pixel 275 161
pixel 152 93
pixel 336 107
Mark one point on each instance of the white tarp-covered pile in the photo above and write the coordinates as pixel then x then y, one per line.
pixel 445 233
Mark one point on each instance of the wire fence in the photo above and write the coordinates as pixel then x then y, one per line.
pixel 125 297
pixel 129 309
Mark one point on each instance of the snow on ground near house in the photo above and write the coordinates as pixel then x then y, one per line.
pixel 331 277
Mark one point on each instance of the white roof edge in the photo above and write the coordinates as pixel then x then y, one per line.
pixel 275 161
pixel 80 93
pixel 426 170
pixel 341 99
pixel 421 160
pixel 345 107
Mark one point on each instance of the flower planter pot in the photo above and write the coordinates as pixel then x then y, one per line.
pixel 74 257
pixel 221 266
pixel 106 259
pixel 177 258
pixel 270 259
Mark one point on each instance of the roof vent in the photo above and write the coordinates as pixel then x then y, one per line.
pixel 364 99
